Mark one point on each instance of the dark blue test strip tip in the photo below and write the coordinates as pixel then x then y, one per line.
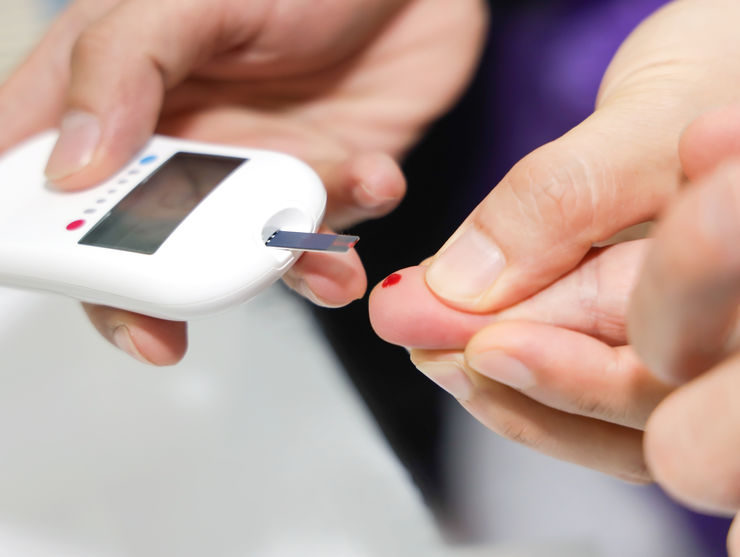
pixel 309 241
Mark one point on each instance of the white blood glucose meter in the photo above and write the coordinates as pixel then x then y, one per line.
pixel 179 232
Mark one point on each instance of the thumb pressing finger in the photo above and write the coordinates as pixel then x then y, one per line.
pixel 545 215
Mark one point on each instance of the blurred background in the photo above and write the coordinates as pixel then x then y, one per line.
pixel 337 446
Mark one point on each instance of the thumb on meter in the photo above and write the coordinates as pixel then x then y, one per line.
pixel 121 66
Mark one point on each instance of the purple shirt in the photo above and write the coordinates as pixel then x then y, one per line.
pixel 540 75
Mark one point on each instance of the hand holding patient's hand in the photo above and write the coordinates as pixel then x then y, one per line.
pixel 552 372
pixel 564 381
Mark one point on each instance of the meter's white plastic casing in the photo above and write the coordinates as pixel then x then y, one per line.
pixel 215 258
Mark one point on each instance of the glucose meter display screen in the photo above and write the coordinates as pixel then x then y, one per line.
pixel 146 217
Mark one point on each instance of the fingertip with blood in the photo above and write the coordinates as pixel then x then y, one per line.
pixel 405 312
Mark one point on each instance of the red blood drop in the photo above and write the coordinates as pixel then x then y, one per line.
pixel 75 224
pixel 395 278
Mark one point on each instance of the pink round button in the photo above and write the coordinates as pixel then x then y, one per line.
pixel 75 224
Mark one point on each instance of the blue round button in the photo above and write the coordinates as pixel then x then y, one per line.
pixel 148 159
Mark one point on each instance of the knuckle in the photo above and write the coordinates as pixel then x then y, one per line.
pixel 604 313
pixel 519 431
pixel 693 469
pixel 494 406
pixel 90 45
pixel 594 407
pixel 555 188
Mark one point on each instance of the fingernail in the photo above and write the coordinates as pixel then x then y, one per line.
pixel 366 197
pixel 467 268
pixel 122 339
pixel 450 376
pixel 302 288
pixel 501 367
pixel 79 134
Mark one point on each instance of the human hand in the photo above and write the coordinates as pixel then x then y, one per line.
pixel 618 168
pixel 552 372
pixel 683 321
pixel 341 86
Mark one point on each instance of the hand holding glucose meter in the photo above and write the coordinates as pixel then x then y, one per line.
pixel 180 232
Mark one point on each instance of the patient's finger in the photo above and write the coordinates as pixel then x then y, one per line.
pixel 610 448
pixel 592 299
pixel 567 370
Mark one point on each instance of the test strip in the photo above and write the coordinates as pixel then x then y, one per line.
pixel 310 241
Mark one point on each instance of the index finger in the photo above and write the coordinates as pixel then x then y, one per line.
pixel 684 308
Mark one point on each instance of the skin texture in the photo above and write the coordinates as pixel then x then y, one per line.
pixel 524 322
pixel 327 82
